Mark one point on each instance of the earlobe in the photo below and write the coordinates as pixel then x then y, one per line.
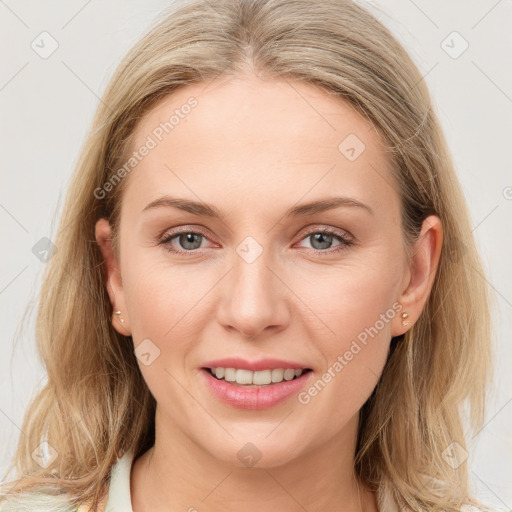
pixel 113 281
pixel 421 273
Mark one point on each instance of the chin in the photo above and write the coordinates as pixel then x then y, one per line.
pixel 258 453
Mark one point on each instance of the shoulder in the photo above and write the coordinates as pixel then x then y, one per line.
pixel 38 502
pixel 479 508
pixel 386 500
pixel 42 501
pixel 86 507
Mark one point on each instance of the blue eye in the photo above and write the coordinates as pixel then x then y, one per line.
pixel 190 241
pixel 324 238
pixel 321 240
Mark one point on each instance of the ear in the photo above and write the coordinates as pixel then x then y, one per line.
pixel 420 274
pixel 114 284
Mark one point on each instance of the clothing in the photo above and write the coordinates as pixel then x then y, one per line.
pixel 119 497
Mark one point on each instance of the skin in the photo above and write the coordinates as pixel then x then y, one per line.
pixel 254 148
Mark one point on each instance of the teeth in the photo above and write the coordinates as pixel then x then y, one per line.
pixel 259 378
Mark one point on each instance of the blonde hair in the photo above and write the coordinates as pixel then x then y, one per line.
pixel 96 404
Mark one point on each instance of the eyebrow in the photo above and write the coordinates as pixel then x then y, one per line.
pixel 302 210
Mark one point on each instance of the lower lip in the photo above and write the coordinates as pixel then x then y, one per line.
pixel 261 397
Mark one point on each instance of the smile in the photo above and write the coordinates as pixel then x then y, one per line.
pixel 242 395
pixel 256 378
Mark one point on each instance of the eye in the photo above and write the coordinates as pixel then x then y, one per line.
pixel 322 239
pixel 186 241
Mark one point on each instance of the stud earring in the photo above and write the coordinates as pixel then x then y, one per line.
pixel 117 313
pixel 404 319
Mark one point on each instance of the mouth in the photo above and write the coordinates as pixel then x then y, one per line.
pixel 264 388
pixel 255 379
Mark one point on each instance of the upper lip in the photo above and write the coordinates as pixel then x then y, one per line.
pixel 261 364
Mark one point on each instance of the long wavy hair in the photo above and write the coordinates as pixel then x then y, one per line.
pixel 95 404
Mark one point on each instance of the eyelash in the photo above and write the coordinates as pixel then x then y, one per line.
pixel 345 241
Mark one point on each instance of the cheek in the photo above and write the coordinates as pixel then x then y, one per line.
pixel 165 308
pixel 165 300
pixel 354 304
pixel 347 297
pixel 356 313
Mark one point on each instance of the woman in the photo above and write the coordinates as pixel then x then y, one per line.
pixel 266 288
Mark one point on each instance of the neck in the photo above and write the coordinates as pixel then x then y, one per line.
pixel 177 474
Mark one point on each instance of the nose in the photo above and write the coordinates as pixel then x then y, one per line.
pixel 253 299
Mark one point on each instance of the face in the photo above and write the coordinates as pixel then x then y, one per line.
pixel 315 288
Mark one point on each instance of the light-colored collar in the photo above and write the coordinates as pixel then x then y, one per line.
pixel 119 496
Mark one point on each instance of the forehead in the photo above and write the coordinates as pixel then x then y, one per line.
pixel 255 142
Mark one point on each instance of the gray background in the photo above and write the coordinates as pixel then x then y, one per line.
pixel 47 105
